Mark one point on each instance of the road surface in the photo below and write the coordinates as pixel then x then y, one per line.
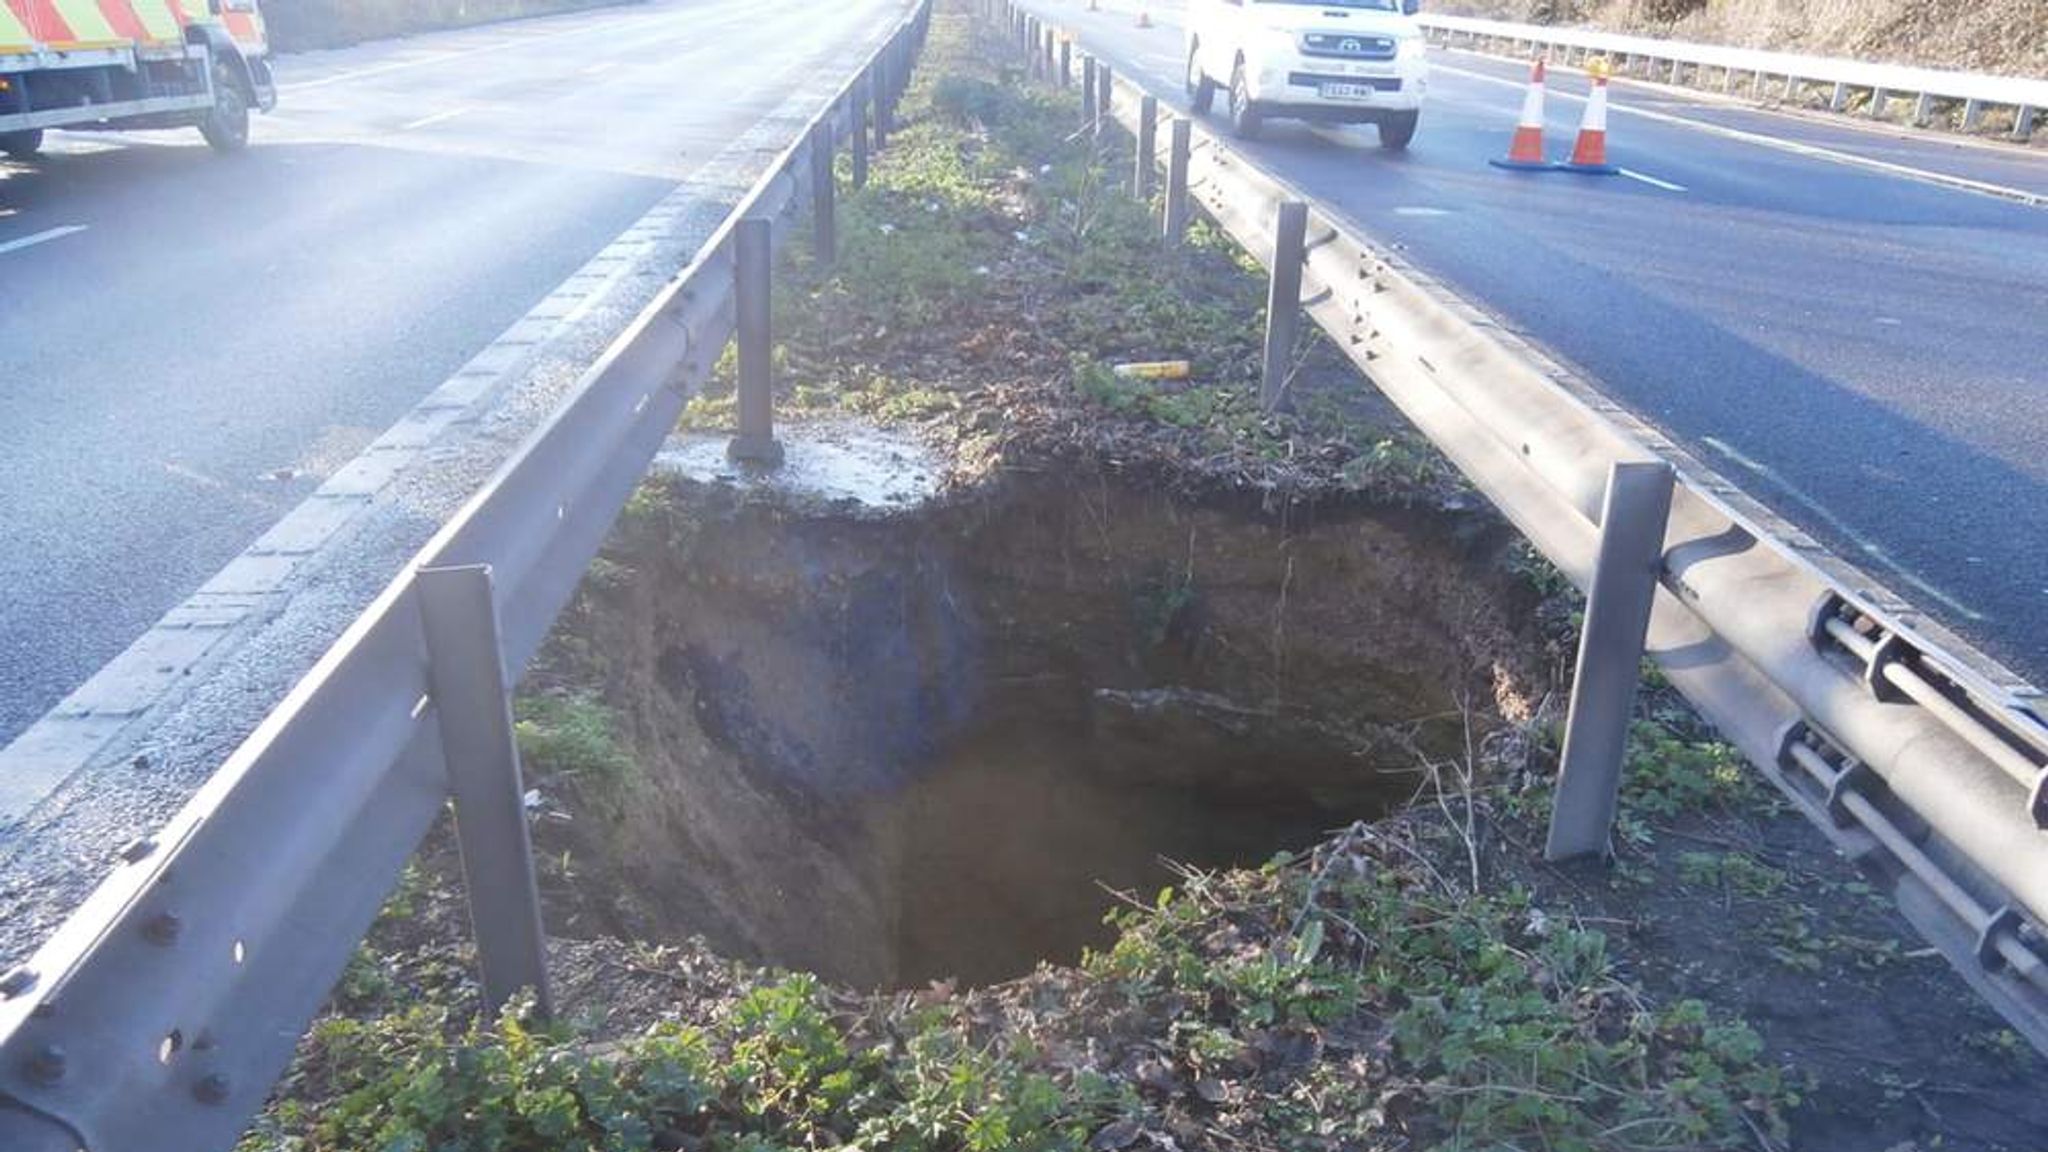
pixel 1797 301
pixel 189 344
pixel 424 249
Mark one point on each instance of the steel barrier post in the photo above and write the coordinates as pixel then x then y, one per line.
pixel 1105 96
pixel 2023 123
pixel 1923 110
pixel 1177 181
pixel 1283 300
pixel 882 102
pixel 752 267
pixel 1146 176
pixel 860 134
pixel 1625 578
pixel 473 706
pixel 1088 111
pixel 824 197
pixel 1879 98
pixel 1066 63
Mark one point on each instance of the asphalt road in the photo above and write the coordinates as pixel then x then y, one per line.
pixel 190 344
pixel 1861 349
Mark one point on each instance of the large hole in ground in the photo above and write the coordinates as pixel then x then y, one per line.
pixel 904 747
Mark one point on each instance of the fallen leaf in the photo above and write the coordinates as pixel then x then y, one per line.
pixel 1116 1136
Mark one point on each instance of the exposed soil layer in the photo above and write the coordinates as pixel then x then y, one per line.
pixel 897 748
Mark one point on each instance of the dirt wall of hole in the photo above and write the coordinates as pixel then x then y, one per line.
pixel 891 748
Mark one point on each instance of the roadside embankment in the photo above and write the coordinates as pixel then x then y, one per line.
pixel 2006 37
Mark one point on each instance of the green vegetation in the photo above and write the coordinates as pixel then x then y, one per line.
pixel 1509 1028
pixel 781 1070
pixel 572 738
pixel 996 269
pixel 1334 1000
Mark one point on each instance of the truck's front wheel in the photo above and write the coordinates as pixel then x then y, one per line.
pixel 226 126
pixel 22 143
pixel 1398 130
pixel 1245 118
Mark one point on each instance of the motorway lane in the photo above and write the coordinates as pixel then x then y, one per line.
pixel 1860 351
pixel 189 344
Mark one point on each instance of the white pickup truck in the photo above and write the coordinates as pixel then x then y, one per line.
pixel 1324 61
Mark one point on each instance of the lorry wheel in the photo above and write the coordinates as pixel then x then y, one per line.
pixel 1244 115
pixel 1398 129
pixel 1201 89
pixel 226 127
pixel 23 144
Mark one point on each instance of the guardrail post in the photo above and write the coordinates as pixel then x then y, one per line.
pixel 1066 63
pixel 2023 123
pixel 1181 147
pixel 1973 115
pixel 1105 95
pixel 1632 526
pixel 1839 97
pixel 753 258
pixel 473 706
pixel 1283 300
pixel 882 102
pixel 860 134
pixel 1923 110
pixel 1145 177
pixel 1088 110
pixel 1878 99
pixel 824 197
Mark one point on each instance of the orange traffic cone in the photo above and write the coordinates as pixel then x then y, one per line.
pixel 1526 154
pixel 1590 154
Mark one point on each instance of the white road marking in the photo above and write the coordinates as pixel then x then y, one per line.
pixel 436 118
pixel 1418 211
pixel 1652 181
pixel 40 238
pixel 1811 151
pixel 1867 547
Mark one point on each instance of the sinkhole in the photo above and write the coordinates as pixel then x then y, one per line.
pixel 901 737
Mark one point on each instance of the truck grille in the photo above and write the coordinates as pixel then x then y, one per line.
pixel 1349 46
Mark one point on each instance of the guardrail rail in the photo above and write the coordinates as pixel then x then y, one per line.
pixel 157 1017
pixel 1915 755
pixel 1788 73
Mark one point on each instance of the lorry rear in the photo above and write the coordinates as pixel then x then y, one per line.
pixel 129 64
